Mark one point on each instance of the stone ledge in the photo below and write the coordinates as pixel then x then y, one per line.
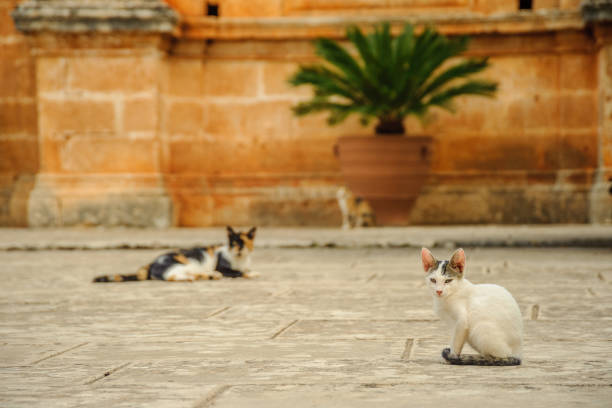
pixel 70 16
pixel 597 11
pixel 272 28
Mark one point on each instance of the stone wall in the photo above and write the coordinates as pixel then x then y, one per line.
pixel 189 123
pixel 18 125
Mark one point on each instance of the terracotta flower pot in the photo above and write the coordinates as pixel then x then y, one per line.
pixel 388 171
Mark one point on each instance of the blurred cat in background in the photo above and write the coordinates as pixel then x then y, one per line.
pixel 232 260
pixel 356 211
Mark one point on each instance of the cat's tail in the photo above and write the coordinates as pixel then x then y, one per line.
pixel 142 274
pixel 479 360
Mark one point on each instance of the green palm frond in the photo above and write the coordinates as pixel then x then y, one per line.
pixel 389 78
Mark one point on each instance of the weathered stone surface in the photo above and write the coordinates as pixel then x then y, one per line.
pixel 597 10
pixel 347 328
pixel 94 15
pixel 132 200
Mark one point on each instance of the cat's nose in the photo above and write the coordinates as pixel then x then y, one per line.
pixel 439 292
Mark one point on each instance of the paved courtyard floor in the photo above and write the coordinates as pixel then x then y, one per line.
pixel 322 327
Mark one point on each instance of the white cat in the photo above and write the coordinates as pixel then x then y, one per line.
pixel 486 316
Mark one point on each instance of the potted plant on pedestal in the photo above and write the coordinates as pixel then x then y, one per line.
pixel 388 78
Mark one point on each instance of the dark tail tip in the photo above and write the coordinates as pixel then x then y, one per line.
pixel 101 279
pixel 480 360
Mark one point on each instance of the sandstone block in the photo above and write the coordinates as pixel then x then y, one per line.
pixel 275 76
pixel 204 157
pixel 184 77
pixel 578 150
pixel 14 46
pixel 518 74
pixel 223 156
pixel 184 118
pixel 76 116
pixel 17 77
pixel 494 6
pixel 109 155
pixel 250 8
pixel 231 78
pixel 50 159
pixel 14 197
pixel 491 152
pixel 51 74
pixel 579 110
pixel 287 50
pixel 225 119
pixel 578 71
pixel 131 210
pixel 140 115
pixel 43 210
pixel 6 22
pixel 267 121
pixel 540 111
pixel 501 204
pixel 194 209
pixel 19 156
pixel 606 148
pixel 18 117
pixel 248 206
pixel 108 74
pixel 545 4
pixel 570 4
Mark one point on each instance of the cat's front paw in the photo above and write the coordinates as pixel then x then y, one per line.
pixel 216 275
pixel 251 275
pixel 448 355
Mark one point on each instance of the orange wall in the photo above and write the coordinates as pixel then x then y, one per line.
pixel 18 120
pixel 139 130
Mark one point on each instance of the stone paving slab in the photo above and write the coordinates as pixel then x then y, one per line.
pixel 321 327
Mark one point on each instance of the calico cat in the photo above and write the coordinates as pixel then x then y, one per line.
pixel 214 262
pixel 356 211
pixel 486 316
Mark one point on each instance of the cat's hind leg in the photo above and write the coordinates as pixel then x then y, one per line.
pixel 490 340
pixel 179 273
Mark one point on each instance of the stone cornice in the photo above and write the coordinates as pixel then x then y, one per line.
pixel 86 16
pixel 279 28
pixel 597 11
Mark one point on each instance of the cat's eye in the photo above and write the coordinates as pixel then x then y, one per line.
pixel 448 281
pixel 433 280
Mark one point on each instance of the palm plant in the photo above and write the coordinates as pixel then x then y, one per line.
pixel 390 78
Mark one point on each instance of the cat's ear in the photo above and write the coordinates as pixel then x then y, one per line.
pixel 230 231
pixel 457 261
pixel 428 259
pixel 251 233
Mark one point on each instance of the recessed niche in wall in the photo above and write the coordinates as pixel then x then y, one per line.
pixel 212 9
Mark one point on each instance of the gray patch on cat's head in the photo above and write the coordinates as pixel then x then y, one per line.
pixel 446 269
pixel 450 271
